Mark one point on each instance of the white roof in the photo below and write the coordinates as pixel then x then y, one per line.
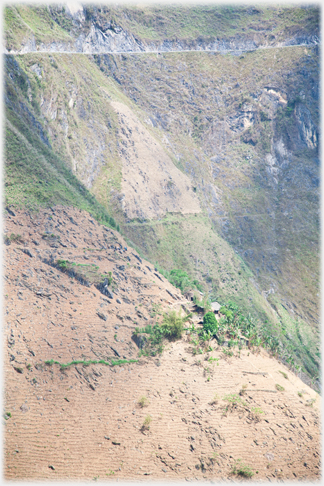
pixel 215 306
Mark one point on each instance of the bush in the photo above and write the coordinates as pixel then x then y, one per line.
pixel 172 325
pixel 241 469
pixel 181 280
pixel 143 402
pixel 171 328
pixel 210 323
pixel 146 423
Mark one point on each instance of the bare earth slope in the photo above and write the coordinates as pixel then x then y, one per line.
pixel 152 185
pixel 85 421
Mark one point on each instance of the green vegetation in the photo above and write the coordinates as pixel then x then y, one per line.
pixel 34 174
pixel 210 323
pixel 143 402
pixel 112 362
pixel 86 273
pixel 13 238
pixel 7 415
pixel 279 387
pixel 155 23
pixel 146 423
pixel 203 303
pixel 257 411
pixel 173 325
pixel 181 280
pixel 234 401
pixel 38 166
pixel 241 469
pixel 171 328
pixel 284 374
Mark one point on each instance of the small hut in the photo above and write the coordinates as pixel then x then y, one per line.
pixel 189 295
pixel 215 307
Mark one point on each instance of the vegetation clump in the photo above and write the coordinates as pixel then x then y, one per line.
pixel 181 280
pixel 203 303
pixel 210 323
pixel 241 469
pixel 279 387
pixel 117 362
pixel 85 273
pixel 146 423
pixel 171 328
pixel 143 402
pixel 284 374
pixel 234 401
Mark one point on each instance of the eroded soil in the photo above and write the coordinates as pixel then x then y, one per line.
pixel 85 422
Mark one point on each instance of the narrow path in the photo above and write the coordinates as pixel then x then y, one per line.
pixel 221 51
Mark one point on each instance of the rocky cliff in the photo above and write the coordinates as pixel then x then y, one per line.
pixel 94 29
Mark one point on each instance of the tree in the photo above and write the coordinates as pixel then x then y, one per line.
pixel 210 323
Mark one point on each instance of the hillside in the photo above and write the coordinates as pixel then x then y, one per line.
pixel 158 159
pixel 81 403
pixel 96 28
pixel 159 139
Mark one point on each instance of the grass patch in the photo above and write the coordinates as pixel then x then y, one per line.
pixel 284 374
pixel 234 401
pixel 171 328
pixel 146 423
pixel 86 273
pixel 279 387
pixel 241 469
pixel 118 362
pixel 143 402
pixel 34 174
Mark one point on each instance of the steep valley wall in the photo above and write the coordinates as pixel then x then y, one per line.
pixel 232 138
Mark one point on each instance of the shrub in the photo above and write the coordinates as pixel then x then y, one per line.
pixel 173 325
pixel 181 279
pixel 63 264
pixel 143 402
pixel 171 328
pixel 284 374
pixel 16 238
pixel 210 323
pixel 241 469
pixel 146 423
pixel 279 387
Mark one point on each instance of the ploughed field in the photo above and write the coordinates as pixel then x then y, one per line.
pixel 74 291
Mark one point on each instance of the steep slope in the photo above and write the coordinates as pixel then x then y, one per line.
pixel 246 144
pixel 109 28
pixel 152 185
pixel 74 293
pixel 257 170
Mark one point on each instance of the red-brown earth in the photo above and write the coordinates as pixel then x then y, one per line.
pixel 85 422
